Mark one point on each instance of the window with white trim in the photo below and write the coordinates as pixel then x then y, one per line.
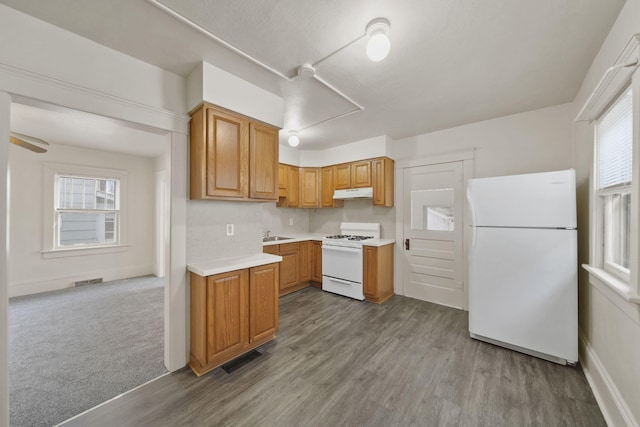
pixel 613 168
pixel 87 211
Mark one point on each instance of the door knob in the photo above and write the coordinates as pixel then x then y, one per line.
pixel 406 244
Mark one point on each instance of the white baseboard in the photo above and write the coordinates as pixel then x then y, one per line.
pixel 613 406
pixel 45 284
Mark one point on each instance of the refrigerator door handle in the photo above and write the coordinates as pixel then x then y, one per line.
pixel 472 240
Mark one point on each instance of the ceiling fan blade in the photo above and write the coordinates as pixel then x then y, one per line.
pixel 29 146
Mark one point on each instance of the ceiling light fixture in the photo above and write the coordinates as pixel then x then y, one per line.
pixel 294 139
pixel 379 44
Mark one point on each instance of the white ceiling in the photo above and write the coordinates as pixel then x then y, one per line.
pixel 62 126
pixel 452 62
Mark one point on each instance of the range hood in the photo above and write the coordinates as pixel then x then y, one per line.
pixel 354 193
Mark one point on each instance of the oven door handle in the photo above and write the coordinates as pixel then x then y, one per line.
pixel 342 281
pixel 341 249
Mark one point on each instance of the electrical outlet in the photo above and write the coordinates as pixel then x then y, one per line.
pixel 290 221
pixel 229 229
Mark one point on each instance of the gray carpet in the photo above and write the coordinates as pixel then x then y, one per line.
pixel 72 349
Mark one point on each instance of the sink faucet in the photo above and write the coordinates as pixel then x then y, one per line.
pixel 266 234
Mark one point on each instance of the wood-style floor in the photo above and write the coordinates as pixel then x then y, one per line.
pixel 340 362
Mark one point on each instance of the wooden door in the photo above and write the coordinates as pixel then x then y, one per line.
pixel 227 310
pixel 283 179
pixel 382 180
pixel 293 190
pixel 370 273
pixel 316 254
pixel 227 155
pixel 342 176
pixel 263 162
pixel 433 228
pixel 309 187
pixel 361 174
pixel 263 301
pixel 305 261
pixel 289 266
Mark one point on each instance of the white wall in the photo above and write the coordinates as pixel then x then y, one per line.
pixel 328 220
pixel 277 220
pixel 214 85
pixel 609 327
pixel 28 271
pixel 534 141
pixel 206 233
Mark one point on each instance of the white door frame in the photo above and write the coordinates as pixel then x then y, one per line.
pixel 466 157
pixel 17 84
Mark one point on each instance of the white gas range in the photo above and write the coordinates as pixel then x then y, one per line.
pixel 342 267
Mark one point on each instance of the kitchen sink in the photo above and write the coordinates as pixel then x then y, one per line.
pixel 275 238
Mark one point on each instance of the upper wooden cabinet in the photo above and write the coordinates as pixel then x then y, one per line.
pixel 342 176
pixel 232 157
pixel 263 162
pixel 361 174
pixel 309 187
pixel 291 189
pixel 328 188
pixel 314 187
pixel 382 179
pixel 283 179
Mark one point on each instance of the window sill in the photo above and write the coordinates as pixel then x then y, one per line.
pixel 611 282
pixel 96 250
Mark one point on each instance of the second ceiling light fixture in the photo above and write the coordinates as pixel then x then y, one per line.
pixel 378 48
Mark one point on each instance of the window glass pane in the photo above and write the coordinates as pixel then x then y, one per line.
pixel 616 229
pixel 614 136
pixel 82 228
pixel 432 209
pixel 87 193
pixel 440 218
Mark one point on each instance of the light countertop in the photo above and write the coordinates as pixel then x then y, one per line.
pixel 296 237
pixel 209 268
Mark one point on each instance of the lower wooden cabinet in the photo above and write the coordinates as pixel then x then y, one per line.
pixel 378 273
pixel 294 273
pixel 305 261
pixel 232 313
pixel 316 256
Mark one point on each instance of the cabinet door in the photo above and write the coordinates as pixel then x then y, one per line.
pixel 263 162
pixel 263 301
pixel 382 177
pixel 227 310
pixel 227 155
pixel 293 190
pixel 283 178
pixel 328 188
pixel 305 261
pixel 289 266
pixel 309 187
pixel 316 273
pixel 361 174
pixel 370 273
pixel 342 176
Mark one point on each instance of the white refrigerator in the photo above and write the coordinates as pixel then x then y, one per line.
pixel 523 264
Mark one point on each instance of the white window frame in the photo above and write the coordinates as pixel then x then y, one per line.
pixel 600 250
pixel 51 249
pixel 626 288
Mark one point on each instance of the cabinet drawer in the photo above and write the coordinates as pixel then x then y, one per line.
pixel 289 247
pixel 271 249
